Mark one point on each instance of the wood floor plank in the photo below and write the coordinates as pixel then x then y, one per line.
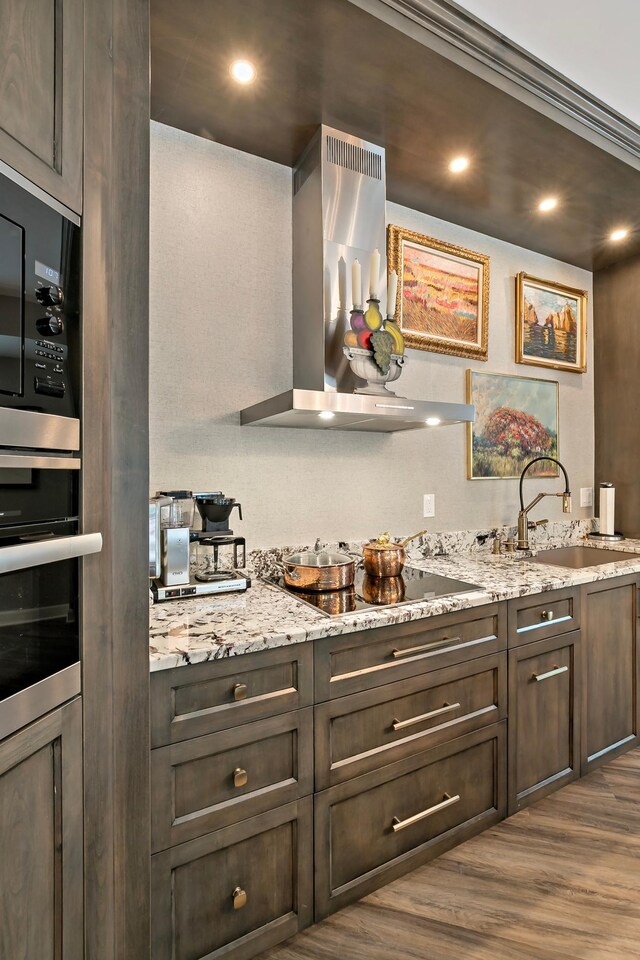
pixel 559 880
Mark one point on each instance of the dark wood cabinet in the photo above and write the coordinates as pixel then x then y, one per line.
pixel 416 736
pixel 537 617
pixel 367 730
pixel 226 693
pixel 41 883
pixel 210 782
pixel 610 696
pixel 234 892
pixel 41 86
pixel 374 828
pixel 369 658
pixel 544 717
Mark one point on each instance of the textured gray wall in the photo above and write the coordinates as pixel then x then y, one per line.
pixel 220 340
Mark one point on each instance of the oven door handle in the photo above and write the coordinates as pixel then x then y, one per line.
pixel 22 555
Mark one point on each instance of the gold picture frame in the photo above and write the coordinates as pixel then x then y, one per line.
pixel 533 401
pixel 551 324
pixel 446 324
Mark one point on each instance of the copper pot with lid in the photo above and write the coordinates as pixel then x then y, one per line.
pixel 319 571
pixel 385 557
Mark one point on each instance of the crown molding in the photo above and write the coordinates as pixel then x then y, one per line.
pixel 452 31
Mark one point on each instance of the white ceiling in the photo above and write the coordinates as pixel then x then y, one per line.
pixel 595 44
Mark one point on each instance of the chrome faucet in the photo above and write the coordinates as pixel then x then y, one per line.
pixel 523 524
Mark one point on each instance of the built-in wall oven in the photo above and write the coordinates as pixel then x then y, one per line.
pixel 40 538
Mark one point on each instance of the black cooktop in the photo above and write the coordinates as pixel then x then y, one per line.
pixel 369 593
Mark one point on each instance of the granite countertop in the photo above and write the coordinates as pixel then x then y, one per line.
pixel 194 631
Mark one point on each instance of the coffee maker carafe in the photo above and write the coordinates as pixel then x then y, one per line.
pixel 220 552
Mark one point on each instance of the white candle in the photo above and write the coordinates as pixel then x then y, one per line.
pixel 342 283
pixel 356 284
pixel 374 274
pixel 392 291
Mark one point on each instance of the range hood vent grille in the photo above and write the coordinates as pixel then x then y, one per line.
pixel 352 157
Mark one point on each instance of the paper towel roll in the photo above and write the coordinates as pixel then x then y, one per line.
pixel 607 508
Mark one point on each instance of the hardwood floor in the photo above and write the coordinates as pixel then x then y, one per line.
pixel 558 881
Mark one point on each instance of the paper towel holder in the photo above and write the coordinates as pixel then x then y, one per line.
pixel 607 537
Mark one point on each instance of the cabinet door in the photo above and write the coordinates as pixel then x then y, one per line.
pixel 610 708
pixel 234 892
pixel 41 885
pixel 544 723
pixel 380 826
pixel 41 45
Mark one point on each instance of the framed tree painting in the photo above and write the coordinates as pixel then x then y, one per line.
pixel 551 324
pixel 516 420
pixel 443 294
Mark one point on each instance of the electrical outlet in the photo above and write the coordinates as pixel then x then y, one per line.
pixel 586 496
pixel 429 509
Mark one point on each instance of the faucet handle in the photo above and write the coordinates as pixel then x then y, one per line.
pixel 537 523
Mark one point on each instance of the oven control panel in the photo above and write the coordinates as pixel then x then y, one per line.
pixel 39 304
pixel 46 350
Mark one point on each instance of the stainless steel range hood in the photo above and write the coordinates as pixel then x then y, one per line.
pixel 324 410
pixel 339 191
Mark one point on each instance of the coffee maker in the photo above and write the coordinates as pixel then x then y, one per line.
pixel 171 535
pixel 219 551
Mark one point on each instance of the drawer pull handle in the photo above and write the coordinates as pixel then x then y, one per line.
pixel 447 801
pixel 239 898
pixel 550 673
pixel 240 691
pixel 410 651
pixel 546 615
pixel 240 777
pixel 445 708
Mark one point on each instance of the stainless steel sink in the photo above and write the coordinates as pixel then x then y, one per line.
pixel 579 557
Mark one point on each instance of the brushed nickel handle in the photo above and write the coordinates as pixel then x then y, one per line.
pixel 445 708
pixel 546 615
pixel 239 897
pixel 550 673
pixel 240 777
pixel 447 801
pixel 240 691
pixel 409 651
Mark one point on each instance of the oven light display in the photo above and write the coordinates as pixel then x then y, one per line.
pixel 47 273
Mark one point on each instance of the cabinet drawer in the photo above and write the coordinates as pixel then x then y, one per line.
pixel 544 718
pixel 360 661
pixel 366 730
pixel 536 617
pixel 201 785
pixel 234 892
pixel 195 700
pixel 379 826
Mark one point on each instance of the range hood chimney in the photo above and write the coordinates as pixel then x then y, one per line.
pixel 339 192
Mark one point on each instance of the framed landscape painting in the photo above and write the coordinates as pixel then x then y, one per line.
pixel 443 294
pixel 516 420
pixel 551 324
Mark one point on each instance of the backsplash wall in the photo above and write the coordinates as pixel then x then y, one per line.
pixel 220 340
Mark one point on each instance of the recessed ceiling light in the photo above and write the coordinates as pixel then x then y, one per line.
pixel 433 421
pixel 243 71
pixel 459 164
pixel 327 415
pixel 618 235
pixel 549 203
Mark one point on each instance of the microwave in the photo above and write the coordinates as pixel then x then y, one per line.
pixel 39 320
